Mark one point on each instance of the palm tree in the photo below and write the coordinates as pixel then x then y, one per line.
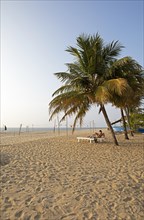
pixel 119 99
pixel 131 71
pixel 83 83
pixel 87 80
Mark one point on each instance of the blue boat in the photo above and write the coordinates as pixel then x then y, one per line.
pixel 141 130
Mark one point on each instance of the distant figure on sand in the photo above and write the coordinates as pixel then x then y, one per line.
pixel 5 127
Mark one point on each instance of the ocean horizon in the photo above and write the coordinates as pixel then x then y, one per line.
pixel 45 129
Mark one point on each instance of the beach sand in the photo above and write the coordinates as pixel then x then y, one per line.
pixel 46 176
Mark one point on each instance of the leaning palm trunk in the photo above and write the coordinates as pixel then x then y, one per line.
pixel 128 119
pixel 109 124
pixel 124 124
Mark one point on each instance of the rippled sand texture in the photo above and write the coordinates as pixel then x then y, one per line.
pixel 53 178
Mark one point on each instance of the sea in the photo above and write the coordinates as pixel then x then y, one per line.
pixel 45 129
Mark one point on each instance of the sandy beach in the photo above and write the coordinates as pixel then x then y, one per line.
pixel 46 176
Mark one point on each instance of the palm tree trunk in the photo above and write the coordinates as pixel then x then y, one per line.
pixel 109 124
pixel 124 124
pixel 128 119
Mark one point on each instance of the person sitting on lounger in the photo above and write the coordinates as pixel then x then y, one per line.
pixel 97 135
pixel 100 134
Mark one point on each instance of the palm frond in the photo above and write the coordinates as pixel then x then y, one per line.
pixel 102 95
pixel 62 89
pixel 63 76
pixel 117 86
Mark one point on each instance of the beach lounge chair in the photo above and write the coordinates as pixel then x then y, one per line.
pixel 102 139
pixel 91 139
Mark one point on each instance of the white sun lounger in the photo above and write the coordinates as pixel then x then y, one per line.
pixel 91 139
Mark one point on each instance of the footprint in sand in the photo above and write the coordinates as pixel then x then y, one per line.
pixel 28 201
pixel 5 159
pixel 8 202
pixel 37 217
pixel 18 214
pixel 39 189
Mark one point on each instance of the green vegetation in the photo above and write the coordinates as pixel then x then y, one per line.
pixel 137 119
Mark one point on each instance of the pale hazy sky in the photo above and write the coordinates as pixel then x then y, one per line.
pixel 34 37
